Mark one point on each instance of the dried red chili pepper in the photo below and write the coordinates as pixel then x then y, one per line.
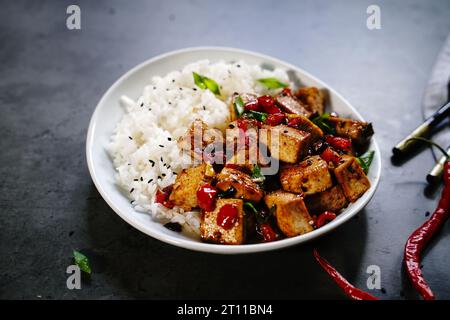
pixel 324 218
pixel 330 156
pixel 418 240
pixel 267 233
pixel 206 197
pixel 339 143
pixel 162 197
pixel 275 119
pixel 350 290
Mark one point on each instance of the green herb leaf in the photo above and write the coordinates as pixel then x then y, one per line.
pixel 82 261
pixel 272 83
pixel 365 160
pixel 322 123
pixel 250 206
pixel 239 106
pixel 257 176
pixel 206 83
pixel 260 116
pixel 198 79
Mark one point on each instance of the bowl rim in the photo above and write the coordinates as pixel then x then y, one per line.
pixel 192 244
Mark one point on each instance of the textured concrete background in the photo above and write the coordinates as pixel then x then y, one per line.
pixel 52 78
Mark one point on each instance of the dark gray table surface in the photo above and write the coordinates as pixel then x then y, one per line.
pixel 51 79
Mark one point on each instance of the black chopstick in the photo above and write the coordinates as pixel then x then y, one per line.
pixel 404 146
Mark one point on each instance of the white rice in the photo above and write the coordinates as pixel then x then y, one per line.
pixel 166 109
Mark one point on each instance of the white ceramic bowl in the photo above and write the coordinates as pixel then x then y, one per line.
pixel 108 113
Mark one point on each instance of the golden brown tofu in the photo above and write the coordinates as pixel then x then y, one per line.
pixel 211 231
pixel 245 188
pixel 184 192
pixel 291 104
pixel 198 138
pixel 290 212
pixel 285 143
pixel 359 131
pixel 309 176
pixel 304 124
pixel 313 98
pixel 351 178
pixel 332 199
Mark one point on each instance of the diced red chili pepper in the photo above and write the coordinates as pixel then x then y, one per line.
pixel 267 232
pixel 339 143
pixel 162 197
pixel 330 156
pixel 287 91
pixel 252 105
pixel 227 216
pixel 206 197
pixel 275 119
pixel 266 101
pixel 294 122
pixel 243 123
pixel 324 218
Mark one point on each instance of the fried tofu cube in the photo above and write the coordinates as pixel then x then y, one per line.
pixel 291 104
pixel 304 124
pixel 290 212
pixel 199 138
pixel 332 200
pixel 286 143
pixel 358 131
pixel 184 192
pixel 211 231
pixel 245 188
pixel 309 176
pixel 351 178
pixel 313 98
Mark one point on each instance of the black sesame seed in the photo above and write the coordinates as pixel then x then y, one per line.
pixel 154 88
pixel 131 138
pixel 150 180
pixel 162 160
pixel 152 162
pixel 149 109
pixel 168 167
pixel 204 108
pixel 142 179
pixel 174 226
pixel 238 65
pixel 174 173
pixel 181 89
pixel 135 179
pixel 169 138
pixel 142 104
pixel 173 80
pixel 163 174
pixel 170 102
pixel 159 178
pixel 427 213
pixel 195 89
pixel 132 189
pixel 161 146
pixel 132 201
